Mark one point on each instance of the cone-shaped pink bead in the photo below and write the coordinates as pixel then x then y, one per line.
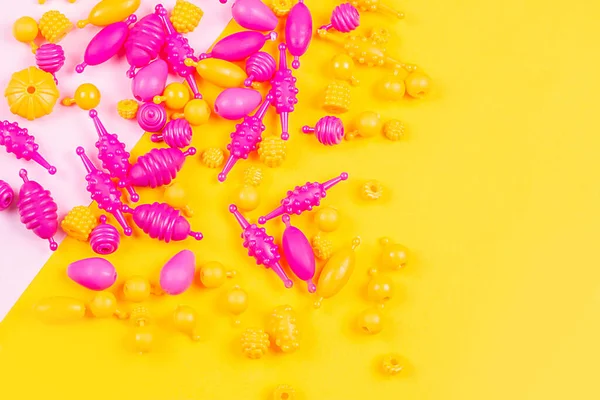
pixel 178 273
pixel 145 41
pixel 298 31
pixel 329 130
pixel 93 273
pixel 17 141
pixel 161 221
pixel 158 167
pixel 299 253
pixel 177 133
pixel 260 67
pixel 254 15
pixel 50 57
pixel 7 195
pixel 104 238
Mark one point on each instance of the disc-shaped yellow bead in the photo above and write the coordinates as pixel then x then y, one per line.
pixel 31 93
pixel 25 29
pixel 87 96
pixel 127 108
pixel 176 96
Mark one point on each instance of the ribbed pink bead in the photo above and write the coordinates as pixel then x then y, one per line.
pixel 7 195
pixel 260 67
pixel 329 130
pixel 50 58
pixel 151 117
pixel 344 18
pixel 177 133
pixel 105 238
pixel 158 167
pixel 161 221
pixel 145 41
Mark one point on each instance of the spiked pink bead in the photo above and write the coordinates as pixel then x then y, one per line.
pixel 50 57
pixel 284 91
pixel 260 67
pixel 344 18
pixel 239 46
pixel 161 221
pixel 16 140
pixel 7 195
pixel 144 43
pixel 104 238
pixel 246 137
pixel 303 198
pixel 177 133
pixel 103 191
pixel 158 167
pixel 38 210
pixel 329 130
pixel 261 246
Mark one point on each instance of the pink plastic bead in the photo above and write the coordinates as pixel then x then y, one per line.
pixel 298 31
pixel 344 18
pixel 105 238
pixel 176 50
pixel 284 91
pixel 246 137
pixel 303 198
pixel 114 157
pixel 239 46
pixel 50 57
pixel 235 103
pixel 254 15
pixel 93 273
pixel 329 130
pixel 299 253
pixel 106 44
pixel 103 191
pixel 7 195
pixel 178 273
pixel 161 221
pixel 261 246
pixel 260 67
pixel 177 133
pixel 150 81
pixel 38 210
pixel 158 167
pixel 152 117
pixel 16 140
pixel 144 43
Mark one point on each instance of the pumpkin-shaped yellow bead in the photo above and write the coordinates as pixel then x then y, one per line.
pixel 128 108
pixel 255 343
pixel 186 16
pixel 213 157
pixel 79 223
pixel 54 26
pixel 272 151
pixel 282 329
pixel 393 130
pixel 31 93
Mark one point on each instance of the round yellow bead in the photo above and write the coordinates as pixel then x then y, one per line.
pixel 343 68
pixel 236 300
pixel 394 255
pixel 370 321
pixel 380 288
pixel 87 96
pixel 418 84
pixel 143 339
pixel 368 124
pixel 327 219
pixel 213 274
pixel 103 305
pixel 197 112
pixel 391 88
pixel 136 289
pixel 176 96
pixel 246 198
pixel 25 29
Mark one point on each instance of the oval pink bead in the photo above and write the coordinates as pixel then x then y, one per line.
pixel 150 81
pixel 235 103
pixel 93 273
pixel 178 273
pixel 298 31
pixel 254 14
pixel 299 253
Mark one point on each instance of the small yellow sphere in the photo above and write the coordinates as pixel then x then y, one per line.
pixel 87 96
pixel 25 29
pixel 343 67
pixel 142 339
pixel 370 321
pixel 246 198
pixel 176 96
pixel 103 305
pixel 197 112
pixel 185 320
pixel 391 88
pixel 394 255
pixel 327 219
pixel 237 300
pixel 137 289
pixel 368 124
pixel 418 84
pixel 213 274
pixel 380 288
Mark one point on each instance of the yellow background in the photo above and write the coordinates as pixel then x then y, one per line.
pixel 494 190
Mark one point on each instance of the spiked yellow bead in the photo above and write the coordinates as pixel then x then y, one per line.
pixel 253 176
pixel 322 246
pixel 79 223
pixel 186 16
pixel 127 108
pixel 283 330
pixel 213 157
pixel 271 151
pixel 337 97
pixel 255 343
pixel 54 26
pixel 393 130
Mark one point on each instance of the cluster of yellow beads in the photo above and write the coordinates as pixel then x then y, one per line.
pixel 282 8
pixel 393 129
pixel 54 26
pixel 271 151
pixel 391 364
pixel 283 330
pixel 337 97
pixel 253 176
pixel 213 157
pixel 127 108
pixel 371 190
pixel 255 343
pixel 186 16
pixel 284 392
pixel 322 246
pixel 79 223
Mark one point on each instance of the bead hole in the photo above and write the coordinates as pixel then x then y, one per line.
pixel 365 329
pixel 285 396
pixel 31 89
pixel 393 361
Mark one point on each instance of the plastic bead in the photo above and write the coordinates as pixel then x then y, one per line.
pixel 284 392
pixel 54 26
pixel 185 320
pixel 178 273
pixel 103 191
pixel 176 96
pixel 142 334
pixel 137 289
pixel 337 97
pixel 393 130
pixel 322 247
pixel 371 190
pixel 327 219
pixel 376 5
pixel 260 67
pixel 283 330
pixel 261 246
pixel 144 43
pixel 158 167
pixel 127 108
pixel 239 46
pixel 50 58
pixel 79 223
pixel 38 210
pixel 246 198
pixel 255 343
pixel 219 72
pixel 235 103
pixel 298 253
pixel 343 68
pixel 161 221
pixel 213 275
pixel 370 321
pixel 282 8
pixel 31 93
pixel 344 18
pixel 336 272
pixel 55 310
pixel 298 31
pixel 393 256
pixel 177 133
pixel 303 198
pixel 390 364
pixel 367 124
pixel 254 15
pixel 284 91
pixel 213 157
pixel 151 117
pixel 150 81
pixel 380 288
pixel 19 142
pixel 7 195
pixel 196 112
pixel 252 176
pixel 104 305
pixel 186 16
pixel 417 84
pixel 87 96
pixel 25 30
pixel 92 273
pixel 108 12
pixel 391 87
pixel 329 130
pixel 176 197
pixel 105 238
pixel 236 302
pixel 272 151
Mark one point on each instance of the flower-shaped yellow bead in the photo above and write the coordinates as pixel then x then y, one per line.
pixel 186 16
pixel 31 93
pixel 284 392
pixel 371 190
pixel 79 223
pixel 54 26
pixel 390 364
pixel 271 151
pixel 322 246
pixel 255 343
pixel 213 157
pixel 127 108
pixel 283 330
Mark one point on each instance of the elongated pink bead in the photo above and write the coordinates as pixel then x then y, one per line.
pixel 105 238
pixel 239 46
pixel 177 133
pixel 161 221
pixel 260 67
pixel 38 210
pixel 50 57
pixel 17 141
pixel 254 14
pixel 284 91
pixel 298 31
pixel 329 130
pixel 299 253
pixel 344 18
pixel 303 198
pixel 158 167
pixel 144 43
pixel 261 246
pixel 7 195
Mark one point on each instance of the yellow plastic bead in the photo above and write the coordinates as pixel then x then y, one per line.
pixel 390 364
pixel 246 198
pixel 219 72
pixel 380 288
pixel 31 93
pixel 392 87
pixel 337 97
pixel 343 68
pixel 370 321
pixel 137 289
pixel 371 190
pixel 143 339
pixel 271 151
pixel 185 320
pixel 284 392
pixel 236 301
pixel 283 330
pixel 255 343
pixel 140 316
pixel 417 84
pixel 196 112
pixel 376 5
pixel 327 219
pixel 393 130
pixel 60 309
pixel 394 255
pixel 25 30
pixel 322 247
pixel 87 96
pixel 213 157
pixel 176 96
pixel 186 16
pixel 176 197
pixel 336 272
pixel 367 124
pixel 107 12
pixel 282 8
pixel 213 274
pixel 253 176
pixel 104 305
pixel 54 26
pixel 128 108
pixel 79 223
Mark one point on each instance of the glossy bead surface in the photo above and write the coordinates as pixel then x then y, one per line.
pixel 7 195
pixel 185 16
pixel 197 112
pixel 391 87
pixel 327 219
pixel 418 84
pixel 343 68
pixel 176 197
pixel 79 223
pixel 87 96
pixel 137 289
pixel 175 96
pixel 104 305
pixel 272 151
pixel 337 97
pixel 213 274
pixel 367 124
pixel 393 255
pixel 60 309
pixel 246 198
pixel 394 130
pixel 236 300
pixel 370 321
pixel 213 157
pixel 380 288
pixel 185 320
pixel 25 30
pixel 283 330
pixel 255 343
pixel 322 246
pixel 127 108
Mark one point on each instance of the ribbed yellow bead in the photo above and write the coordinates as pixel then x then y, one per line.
pixel 127 108
pixel 54 26
pixel 272 151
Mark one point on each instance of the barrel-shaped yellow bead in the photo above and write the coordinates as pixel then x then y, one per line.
pixel 221 73
pixel 60 309
pixel 108 12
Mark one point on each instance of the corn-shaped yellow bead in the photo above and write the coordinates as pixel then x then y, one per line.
pixel 271 151
pixel 393 130
pixel 255 343
pixel 337 97
pixel 322 246
pixel 54 26
pixel 390 364
pixel 283 330
pixel 79 223
pixel 282 8
pixel 127 108
pixel 186 16
pixel 253 176
pixel 213 157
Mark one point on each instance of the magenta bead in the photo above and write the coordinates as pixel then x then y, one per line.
pixel 299 253
pixel 151 117
pixel 158 167
pixel 50 57
pixel 239 46
pixel 284 91
pixel 177 133
pixel 235 103
pixel 144 43
pixel 7 195
pixel 329 130
pixel 178 273
pixel 38 210
pixel 298 31
pixel 93 273
pixel 260 67
pixel 105 238
pixel 344 18
pixel 161 221
pixel 106 44
pixel 303 198
pixel 17 141
pixel 150 81
pixel 254 15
